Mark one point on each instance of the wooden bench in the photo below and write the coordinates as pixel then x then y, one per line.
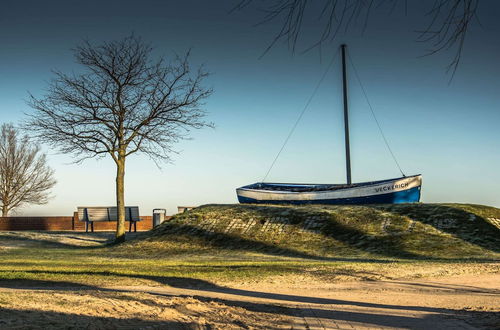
pixel 91 214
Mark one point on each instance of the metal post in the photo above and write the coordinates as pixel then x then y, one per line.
pixel 346 117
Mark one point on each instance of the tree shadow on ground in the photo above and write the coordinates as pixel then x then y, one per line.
pixel 454 288
pixel 330 317
pixel 281 304
pixel 33 319
pixel 207 286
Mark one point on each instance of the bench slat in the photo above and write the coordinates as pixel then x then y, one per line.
pixel 106 213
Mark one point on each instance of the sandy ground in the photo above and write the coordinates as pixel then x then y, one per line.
pixel 461 302
pixel 454 302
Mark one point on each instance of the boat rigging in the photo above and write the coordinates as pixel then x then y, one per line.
pixel 404 189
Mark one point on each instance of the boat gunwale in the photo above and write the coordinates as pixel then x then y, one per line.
pixel 342 186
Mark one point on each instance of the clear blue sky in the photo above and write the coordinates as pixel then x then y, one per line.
pixel 448 132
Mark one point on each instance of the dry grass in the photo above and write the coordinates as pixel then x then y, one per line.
pixel 410 231
pixel 356 243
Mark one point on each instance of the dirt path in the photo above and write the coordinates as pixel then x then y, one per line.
pixel 461 302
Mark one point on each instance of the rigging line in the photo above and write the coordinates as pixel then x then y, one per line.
pixel 374 116
pixel 300 116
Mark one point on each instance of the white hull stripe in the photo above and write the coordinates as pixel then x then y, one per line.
pixel 363 191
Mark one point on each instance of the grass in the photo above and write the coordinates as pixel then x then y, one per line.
pixel 94 270
pixel 415 231
pixel 283 244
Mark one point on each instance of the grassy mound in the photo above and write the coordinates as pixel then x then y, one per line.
pixel 440 231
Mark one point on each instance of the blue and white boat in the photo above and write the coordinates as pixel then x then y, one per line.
pixel 405 189
pixel 399 190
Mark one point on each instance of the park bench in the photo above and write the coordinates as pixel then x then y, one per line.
pixel 91 214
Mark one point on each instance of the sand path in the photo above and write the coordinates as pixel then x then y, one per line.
pixel 459 302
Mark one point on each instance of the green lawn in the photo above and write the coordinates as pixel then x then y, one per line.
pixel 105 267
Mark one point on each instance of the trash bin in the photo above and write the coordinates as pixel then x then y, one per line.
pixel 158 216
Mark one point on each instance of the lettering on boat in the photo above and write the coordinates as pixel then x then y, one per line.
pixel 393 187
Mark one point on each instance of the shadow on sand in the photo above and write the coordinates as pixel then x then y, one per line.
pixel 39 319
pixel 280 304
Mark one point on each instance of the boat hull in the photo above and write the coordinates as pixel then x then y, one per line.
pixel 392 191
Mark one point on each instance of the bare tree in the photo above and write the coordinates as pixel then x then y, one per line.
pixel 448 20
pixel 25 177
pixel 124 103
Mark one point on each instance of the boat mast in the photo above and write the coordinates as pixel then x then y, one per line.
pixel 346 117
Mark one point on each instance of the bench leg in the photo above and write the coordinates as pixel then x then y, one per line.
pixel 86 226
pixel 92 226
pixel 130 224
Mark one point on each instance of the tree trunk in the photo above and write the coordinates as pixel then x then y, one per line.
pixel 120 200
pixel 5 211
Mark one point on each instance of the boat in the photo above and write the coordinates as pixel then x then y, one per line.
pixel 404 189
